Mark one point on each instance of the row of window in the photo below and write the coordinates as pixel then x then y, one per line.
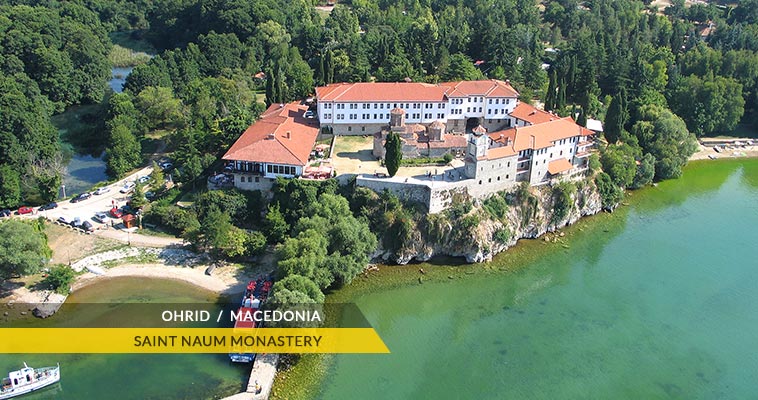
pixel 281 169
pixel 366 106
pixel 489 111
pixel 383 116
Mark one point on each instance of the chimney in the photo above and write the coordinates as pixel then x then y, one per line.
pixel 270 136
pixel 287 134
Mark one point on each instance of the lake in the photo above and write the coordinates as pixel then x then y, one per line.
pixel 656 301
pixel 132 376
pixel 85 170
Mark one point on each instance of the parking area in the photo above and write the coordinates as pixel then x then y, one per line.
pixel 109 196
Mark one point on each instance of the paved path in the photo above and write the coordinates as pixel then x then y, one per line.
pixel 135 239
pixel 264 371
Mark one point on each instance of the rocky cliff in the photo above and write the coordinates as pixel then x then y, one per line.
pixel 479 229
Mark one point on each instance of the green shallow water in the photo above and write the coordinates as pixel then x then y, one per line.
pixel 131 376
pixel 657 301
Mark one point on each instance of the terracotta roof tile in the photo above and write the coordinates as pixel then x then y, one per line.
pixel 558 166
pixel 529 113
pixel 534 137
pixel 412 91
pixel 281 135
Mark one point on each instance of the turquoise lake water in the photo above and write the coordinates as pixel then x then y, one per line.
pixel 657 301
pixel 132 376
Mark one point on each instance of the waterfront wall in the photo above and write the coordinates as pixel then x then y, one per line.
pixel 444 235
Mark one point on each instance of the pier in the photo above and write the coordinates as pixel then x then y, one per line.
pixel 264 371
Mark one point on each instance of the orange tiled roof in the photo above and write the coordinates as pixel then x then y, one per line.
pixel 529 113
pixel 412 91
pixel 267 140
pixel 486 88
pixel 558 166
pixel 534 137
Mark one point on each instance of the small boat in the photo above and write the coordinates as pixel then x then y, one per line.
pixel 27 380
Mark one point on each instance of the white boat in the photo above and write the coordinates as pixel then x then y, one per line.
pixel 27 380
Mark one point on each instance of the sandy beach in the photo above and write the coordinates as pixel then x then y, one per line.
pixel 225 280
pixel 706 151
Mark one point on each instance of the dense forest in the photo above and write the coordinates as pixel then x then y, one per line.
pixel 657 78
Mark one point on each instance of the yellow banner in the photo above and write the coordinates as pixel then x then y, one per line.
pixel 190 340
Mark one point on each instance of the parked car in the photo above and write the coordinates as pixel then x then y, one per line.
pixel 166 165
pixel 102 190
pixel 49 206
pixel 77 222
pixel 116 213
pixel 150 195
pixel 87 226
pixel 5 213
pixel 309 114
pixel 128 187
pixel 143 179
pixel 101 217
pixel 25 210
pixel 64 220
pixel 81 197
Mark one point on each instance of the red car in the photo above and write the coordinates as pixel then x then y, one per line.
pixel 116 213
pixel 25 210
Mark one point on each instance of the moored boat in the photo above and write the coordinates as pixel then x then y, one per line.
pixel 27 380
pixel 256 293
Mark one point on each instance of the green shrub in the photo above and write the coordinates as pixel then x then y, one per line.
pixel 60 278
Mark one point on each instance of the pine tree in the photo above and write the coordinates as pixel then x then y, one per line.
pixel 393 153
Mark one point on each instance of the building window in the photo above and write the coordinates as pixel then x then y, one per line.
pixel 349 128
pixel 507 101
pixel 480 109
pixel 257 179
pixel 489 180
pixel 468 109
pixel 363 129
pixel 489 101
pixel 376 106
pixel 507 176
pixel 268 169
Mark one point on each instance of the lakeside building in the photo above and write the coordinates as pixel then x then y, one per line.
pixel 535 153
pixel 278 144
pixel 363 108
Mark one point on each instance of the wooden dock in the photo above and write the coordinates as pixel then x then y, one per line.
pixel 264 371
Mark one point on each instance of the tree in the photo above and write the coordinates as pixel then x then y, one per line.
pixel 159 108
pixel 610 194
pixel 274 225
pixel 301 284
pixel 550 95
pixel 665 136
pixel 23 249
pixel 123 153
pixel 138 197
pixel 710 104
pixel 460 68
pixel 393 153
pixel 255 243
pixel 10 187
pixel 157 179
pixel 645 172
pixel 60 278
pixel 620 164
pixel 616 118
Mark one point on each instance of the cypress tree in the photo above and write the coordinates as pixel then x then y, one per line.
pixel 270 88
pixel 393 153
pixel 582 119
pixel 329 67
pixel 550 96
pixel 560 103
pixel 616 117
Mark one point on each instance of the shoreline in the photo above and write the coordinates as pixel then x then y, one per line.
pixel 224 281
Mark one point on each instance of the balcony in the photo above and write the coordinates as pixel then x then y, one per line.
pixel 582 154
